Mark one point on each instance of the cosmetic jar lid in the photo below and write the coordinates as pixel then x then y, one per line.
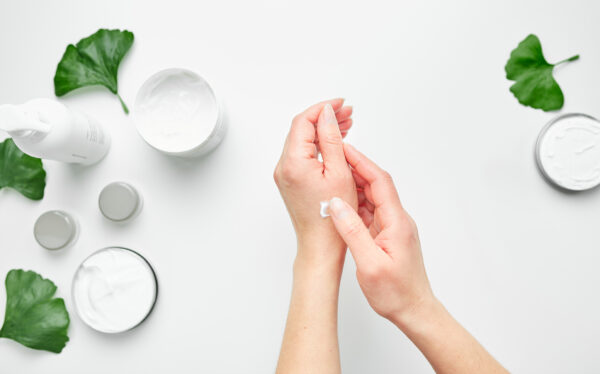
pixel 119 201
pixel 55 229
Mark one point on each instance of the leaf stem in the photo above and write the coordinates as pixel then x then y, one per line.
pixel 576 57
pixel 123 104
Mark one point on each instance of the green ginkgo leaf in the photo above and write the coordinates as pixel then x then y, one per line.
pixel 34 317
pixel 20 171
pixel 534 84
pixel 93 61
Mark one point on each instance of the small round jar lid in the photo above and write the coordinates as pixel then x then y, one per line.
pixel 55 229
pixel 119 201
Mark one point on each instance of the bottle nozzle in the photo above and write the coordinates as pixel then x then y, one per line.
pixel 13 120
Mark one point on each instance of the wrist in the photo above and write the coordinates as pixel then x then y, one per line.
pixel 320 237
pixel 317 249
pixel 421 314
pixel 318 232
pixel 318 281
pixel 321 263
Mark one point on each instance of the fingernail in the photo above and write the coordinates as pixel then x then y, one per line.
pixel 338 208
pixel 328 114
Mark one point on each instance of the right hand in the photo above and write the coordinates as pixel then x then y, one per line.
pixel 384 242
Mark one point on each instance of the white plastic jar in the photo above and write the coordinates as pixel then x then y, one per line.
pixel 177 113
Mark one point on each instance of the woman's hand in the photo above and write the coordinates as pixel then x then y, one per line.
pixel 310 343
pixel 385 245
pixel 384 242
pixel 304 181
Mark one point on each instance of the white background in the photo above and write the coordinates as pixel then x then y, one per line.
pixel 513 259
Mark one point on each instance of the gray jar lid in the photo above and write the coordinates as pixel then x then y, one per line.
pixel 55 229
pixel 119 201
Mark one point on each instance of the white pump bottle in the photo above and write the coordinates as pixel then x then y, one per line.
pixel 46 129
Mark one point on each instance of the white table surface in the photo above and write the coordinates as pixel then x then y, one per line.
pixel 513 259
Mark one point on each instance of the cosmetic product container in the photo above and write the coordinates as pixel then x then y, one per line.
pixel 120 202
pixel 55 229
pixel 47 129
pixel 568 152
pixel 176 112
pixel 114 290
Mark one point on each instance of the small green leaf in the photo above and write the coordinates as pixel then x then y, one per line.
pixel 22 172
pixel 93 61
pixel 33 317
pixel 534 84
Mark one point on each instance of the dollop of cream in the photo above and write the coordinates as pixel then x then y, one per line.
pixel 324 211
pixel 114 290
pixel 569 152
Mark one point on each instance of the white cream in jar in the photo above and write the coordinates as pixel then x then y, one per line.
pixel 177 113
pixel 568 152
pixel 114 290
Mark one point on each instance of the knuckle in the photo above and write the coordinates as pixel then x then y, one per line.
pixel 287 172
pixel 353 228
pixel 413 227
pixel 359 164
pixel 372 273
pixel 386 176
pixel 367 274
pixel 297 118
pixel 410 233
pixel 339 178
pixel 332 140
pixel 277 174
pixel 347 178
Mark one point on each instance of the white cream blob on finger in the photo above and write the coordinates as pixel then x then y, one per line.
pixel 568 152
pixel 114 290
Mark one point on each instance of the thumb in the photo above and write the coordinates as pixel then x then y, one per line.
pixel 354 232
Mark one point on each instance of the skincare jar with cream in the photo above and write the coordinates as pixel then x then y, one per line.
pixel 177 113
pixel 114 290
pixel 568 152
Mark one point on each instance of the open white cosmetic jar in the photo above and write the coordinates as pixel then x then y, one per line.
pixel 114 290
pixel 568 152
pixel 177 112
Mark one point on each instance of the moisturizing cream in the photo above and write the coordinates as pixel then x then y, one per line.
pixel 568 152
pixel 114 290
pixel 177 113
pixel 324 210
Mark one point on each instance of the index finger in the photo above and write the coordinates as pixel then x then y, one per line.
pixel 303 128
pixel 383 191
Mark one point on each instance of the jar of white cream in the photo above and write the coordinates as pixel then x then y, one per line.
pixel 568 152
pixel 177 113
pixel 114 290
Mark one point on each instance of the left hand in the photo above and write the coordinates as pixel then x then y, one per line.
pixel 304 181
